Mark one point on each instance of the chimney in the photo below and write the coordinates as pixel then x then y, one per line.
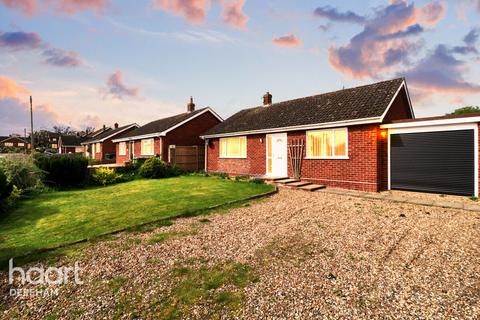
pixel 116 125
pixel 191 106
pixel 104 127
pixel 267 99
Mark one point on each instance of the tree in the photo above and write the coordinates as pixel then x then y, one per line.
pixel 465 110
pixel 67 130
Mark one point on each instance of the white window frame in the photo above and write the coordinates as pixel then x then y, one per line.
pixel 122 152
pixel 345 157
pixel 98 148
pixel 21 144
pixel 142 151
pixel 227 157
pixel 8 144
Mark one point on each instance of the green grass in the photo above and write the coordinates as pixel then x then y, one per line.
pixel 56 218
pixel 197 283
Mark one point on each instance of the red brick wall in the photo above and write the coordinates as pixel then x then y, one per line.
pixel 364 170
pixel 189 133
pixel 254 164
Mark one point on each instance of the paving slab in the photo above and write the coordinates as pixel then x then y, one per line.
pixel 299 184
pixel 285 181
pixel 312 187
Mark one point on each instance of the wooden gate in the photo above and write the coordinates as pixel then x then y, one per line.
pixel 296 155
pixel 190 158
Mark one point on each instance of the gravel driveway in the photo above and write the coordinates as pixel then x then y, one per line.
pixel 315 255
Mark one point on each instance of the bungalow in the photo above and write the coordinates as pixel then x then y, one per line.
pixel 14 141
pixel 159 137
pixel 68 144
pixel 364 138
pixel 332 139
pixel 101 146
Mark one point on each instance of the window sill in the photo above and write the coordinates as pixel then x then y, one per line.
pixel 326 158
pixel 232 157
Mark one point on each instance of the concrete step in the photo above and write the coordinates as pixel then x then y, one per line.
pixel 299 184
pixel 286 181
pixel 312 187
pixel 280 178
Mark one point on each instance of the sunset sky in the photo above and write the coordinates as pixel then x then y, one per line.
pixel 92 62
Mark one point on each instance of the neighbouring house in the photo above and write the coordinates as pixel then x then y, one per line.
pixel 71 144
pixel 100 146
pixel 168 138
pixel 364 138
pixel 14 142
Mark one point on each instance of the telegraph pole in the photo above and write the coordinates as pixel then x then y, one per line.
pixel 31 124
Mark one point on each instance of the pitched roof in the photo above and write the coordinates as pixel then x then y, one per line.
pixel 161 125
pixel 3 138
pixel 71 140
pixel 109 134
pixel 368 101
pixel 446 117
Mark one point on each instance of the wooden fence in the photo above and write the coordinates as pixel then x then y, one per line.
pixel 190 158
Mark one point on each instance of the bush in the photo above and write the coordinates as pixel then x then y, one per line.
pixel 22 172
pixel 5 186
pixel 63 170
pixel 155 168
pixel 106 176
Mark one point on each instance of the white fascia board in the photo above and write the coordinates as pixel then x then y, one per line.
pixel 133 138
pixel 439 122
pixel 335 124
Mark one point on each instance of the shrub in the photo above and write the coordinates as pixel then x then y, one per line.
pixel 5 185
pixel 22 172
pixel 105 176
pixel 63 170
pixel 155 168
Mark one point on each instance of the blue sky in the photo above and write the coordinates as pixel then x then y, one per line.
pixel 98 61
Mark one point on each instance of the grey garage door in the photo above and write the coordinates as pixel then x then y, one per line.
pixel 441 162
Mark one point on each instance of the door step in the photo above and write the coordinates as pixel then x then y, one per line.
pixel 280 178
pixel 287 181
pixel 299 184
pixel 312 187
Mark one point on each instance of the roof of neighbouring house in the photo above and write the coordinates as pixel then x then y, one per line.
pixel 3 139
pixel 108 134
pixel 165 124
pixel 363 102
pixel 450 116
pixel 72 140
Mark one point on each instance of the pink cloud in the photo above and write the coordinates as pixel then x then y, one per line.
pixel 9 88
pixel 194 11
pixel 387 39
pixel 26 7
pixel 233 14
pixel 117 89
pixel 69 7
pixel 74 6
pixel 289 41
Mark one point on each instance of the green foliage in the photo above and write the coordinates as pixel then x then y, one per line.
pixel 22 172
pixel 465 110
pixel 221 175
pixel 5 186
pixel 257 181
pixel 217 286
pixel 105 176
pixel 242 178
pixel 63 170
pixel 155 168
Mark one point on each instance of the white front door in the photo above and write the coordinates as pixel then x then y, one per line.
pixel 277 155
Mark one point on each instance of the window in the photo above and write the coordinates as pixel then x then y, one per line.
pixel 122 149
pixel 97 147
pixel 93 149
pixel 234 147
pixel 78 149
pixel 54 146
pixel 147 147
pixel 8 144
pixel 330 143
pixel 21 144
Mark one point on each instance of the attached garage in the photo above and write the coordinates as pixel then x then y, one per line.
pixel 439 156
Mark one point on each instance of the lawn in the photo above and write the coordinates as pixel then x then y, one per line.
pixel 56 218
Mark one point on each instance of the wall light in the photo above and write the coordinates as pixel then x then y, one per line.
pixel 383 133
